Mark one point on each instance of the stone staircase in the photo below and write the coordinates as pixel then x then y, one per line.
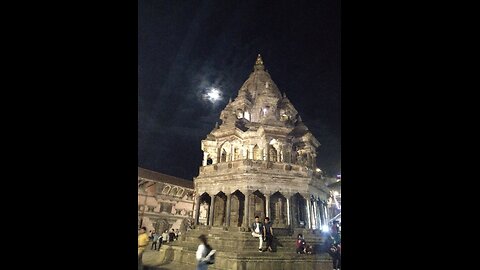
pixel 238 249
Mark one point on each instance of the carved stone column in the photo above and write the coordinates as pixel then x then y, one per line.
pixel 327 216
pixel 267 205
pixel 245 210
pixel 309 219
pixel 205 156
pixel 227 216
pixel 288 210
pixel 210 217
pixel 322 214
pixel 197 209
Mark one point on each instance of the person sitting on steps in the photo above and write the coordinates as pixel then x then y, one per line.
pixel 257 231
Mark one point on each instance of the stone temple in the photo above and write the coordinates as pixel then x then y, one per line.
pixel 260 161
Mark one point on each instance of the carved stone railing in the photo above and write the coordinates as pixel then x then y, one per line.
pixel 248 165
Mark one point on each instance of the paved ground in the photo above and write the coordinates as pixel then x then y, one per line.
pixel 148 258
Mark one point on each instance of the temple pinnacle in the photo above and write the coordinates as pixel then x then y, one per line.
pixel 259 60
pixel 259 63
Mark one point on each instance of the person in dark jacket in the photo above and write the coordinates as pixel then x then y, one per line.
pixel 334 250
pixel 268 234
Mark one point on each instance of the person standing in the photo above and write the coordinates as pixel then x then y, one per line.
pixel 154 241
pixel 171 236
pixel 160 241
pixel 165 236
pixel 268 233
pixel 334 251
pixel 142 244
pixel 335 229
pixel 257 231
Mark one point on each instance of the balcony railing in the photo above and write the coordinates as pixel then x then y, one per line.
pixel 248 165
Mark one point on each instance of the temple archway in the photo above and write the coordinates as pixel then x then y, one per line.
pixel 220 202
pixel 237 206
pixel 273 154
pixel 223 157
pixel 204 211
pixel 299 211
pixel 256 206
pixel 278 210
pixel 257 153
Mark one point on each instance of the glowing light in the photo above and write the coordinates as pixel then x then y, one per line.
pixel 213 94
pixel 325 228
pixel 318 170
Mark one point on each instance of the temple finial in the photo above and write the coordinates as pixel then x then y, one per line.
pixel 259 63
pixel 259 60
pixel 230 100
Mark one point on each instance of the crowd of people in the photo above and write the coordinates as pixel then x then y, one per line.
pixel 205 255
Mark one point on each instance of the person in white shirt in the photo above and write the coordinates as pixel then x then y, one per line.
pixel 257 231
pixel 165 236
pixel 202 252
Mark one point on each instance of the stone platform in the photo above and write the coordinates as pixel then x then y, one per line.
pixel 237 250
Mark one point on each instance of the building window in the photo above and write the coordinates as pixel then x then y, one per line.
pixel 257 153
pixel 224 156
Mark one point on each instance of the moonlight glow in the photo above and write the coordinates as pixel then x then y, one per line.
pixel 213 95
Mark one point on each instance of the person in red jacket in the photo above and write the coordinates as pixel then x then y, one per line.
pixel 300 244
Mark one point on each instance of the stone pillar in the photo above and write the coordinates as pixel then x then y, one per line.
pixel 267 150
pixel 315 214
pixel 232 155
pixel 322 214
pixel 267 205
pixel 245 210
pixel 214 158
pixel 326 214
pixel 197 209
pixel 309 219
pixel 210 217
pixel 312 211
pixel 227 216
pixel 205 156
pixel 288 210
pixel 250 152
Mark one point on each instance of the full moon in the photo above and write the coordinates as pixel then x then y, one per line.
pixel 213 94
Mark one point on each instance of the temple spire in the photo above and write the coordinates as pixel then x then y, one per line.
pixel 259 63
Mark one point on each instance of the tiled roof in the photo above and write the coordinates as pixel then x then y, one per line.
pixel 160 177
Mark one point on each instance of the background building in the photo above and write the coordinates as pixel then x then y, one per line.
pixel 164 201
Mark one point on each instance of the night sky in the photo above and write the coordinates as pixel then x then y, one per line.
pixel 186 47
